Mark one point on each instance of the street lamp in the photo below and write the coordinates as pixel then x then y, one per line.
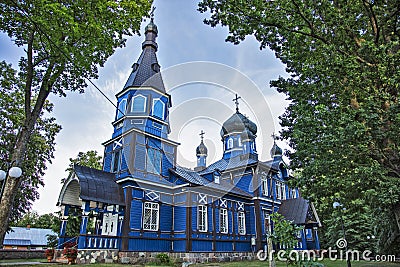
pixel 13 172
pixel 338 205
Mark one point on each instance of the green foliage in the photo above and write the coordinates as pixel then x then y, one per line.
pixel 65 42
pixel 164 258
pixel 52 241
pixel 343 121
pixel 88 159
pixel 40 148
pixel 45 221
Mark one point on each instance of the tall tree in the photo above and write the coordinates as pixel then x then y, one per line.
pixel 88 159
pixel 343 122
pixel 39 149
pixel 65 42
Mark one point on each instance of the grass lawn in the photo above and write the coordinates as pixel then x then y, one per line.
pixel 327 263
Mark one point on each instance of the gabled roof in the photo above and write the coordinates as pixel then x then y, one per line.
pixel 21 236
pixel 93 185
pixel 196 179
pixel 299 211
pixel 226 164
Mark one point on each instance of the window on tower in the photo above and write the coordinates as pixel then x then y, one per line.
pixel 153 161
pixel 229 144
pixel 116 161
pixel 121 108
pixel 158 108
pixel 138 104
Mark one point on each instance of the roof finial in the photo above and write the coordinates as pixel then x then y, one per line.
pixel 152 14
pixel 202 135
pixel 236 99
pixel 273 135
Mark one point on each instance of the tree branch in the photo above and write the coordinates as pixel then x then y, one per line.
pixel 29 77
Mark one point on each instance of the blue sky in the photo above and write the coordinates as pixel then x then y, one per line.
pixel 186 47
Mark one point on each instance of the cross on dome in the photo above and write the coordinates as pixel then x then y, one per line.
pixel 202 135
pixel 236 100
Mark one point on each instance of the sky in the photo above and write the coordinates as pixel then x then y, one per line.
pixel 201 72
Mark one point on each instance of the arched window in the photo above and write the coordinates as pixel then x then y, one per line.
pixel 138 104
pixel 158 108
pixel 229 144
pixel 121 108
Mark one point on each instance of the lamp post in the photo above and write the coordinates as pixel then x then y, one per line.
pixel 338 205
pixel 13 172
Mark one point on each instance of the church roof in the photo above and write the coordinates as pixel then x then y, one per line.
pixel 298 211
pixel 196 179
pixel 146 71
pixel 226 164
pixel 238 123
pixel 97 185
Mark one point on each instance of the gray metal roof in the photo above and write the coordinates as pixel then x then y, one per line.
pixel 226 164
pixel 299 211
pixel 146 72
pixel 21 236
pixel 97 185
pixel 196 179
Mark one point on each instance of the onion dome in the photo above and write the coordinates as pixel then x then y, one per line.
pixel 276 150
pixel 201 149
pixel 151 27
pixel 247 135
pixel 238 123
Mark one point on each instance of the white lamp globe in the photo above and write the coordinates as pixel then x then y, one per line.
pixel 336 204
pixel 15 172
pixel 2 175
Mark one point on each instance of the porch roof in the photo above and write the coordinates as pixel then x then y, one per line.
pixel 299 211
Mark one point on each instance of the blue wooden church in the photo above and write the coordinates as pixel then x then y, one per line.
pixel 143 200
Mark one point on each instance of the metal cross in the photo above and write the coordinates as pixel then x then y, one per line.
pixel 201 135
pixel 273 135
pixel 152 13
pixel 236 99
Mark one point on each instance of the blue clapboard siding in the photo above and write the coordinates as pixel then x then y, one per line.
pixel 136 214
pixel 180 245
pixel 200 245
pixel 243 246
pixel 140 157
pixel 165 217
pixel 245 183
pixel 142 244
pixel 194 218
pixel 223 246
pixel 180 218
pixel 107 162
pixel 252 221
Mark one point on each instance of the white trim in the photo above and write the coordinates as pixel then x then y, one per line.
pixel 163 109
pixel 142 89
pixel 242 219
pixel 141 132
pixel 153 207
pixel 200 213
pixel 133 100
pixel 223 213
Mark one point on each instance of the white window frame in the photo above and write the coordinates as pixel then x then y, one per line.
pixel 223 221
pixel 121 110
pixel 133 102
pixel 241 223
pixel 163 109
pixel 278 190
pixel 265 185
pixel 294 195
pixel 154 211
pixel 283 188
pixel 202 221
pixel 229 144
pixel 267 218
pixel 113 169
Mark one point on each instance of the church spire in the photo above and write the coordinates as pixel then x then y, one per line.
pixel 146 71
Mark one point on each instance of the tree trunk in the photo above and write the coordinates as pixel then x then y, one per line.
pixel 12 184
